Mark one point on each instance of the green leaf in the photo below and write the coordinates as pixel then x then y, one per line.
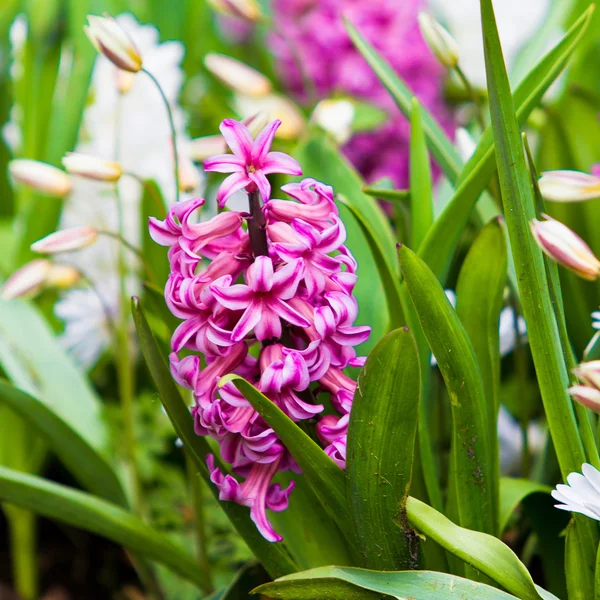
pixel 87 512
pixel 479 292
pixel 337 583
pixel 421 185
pixel 326 478
pixel 153 204
pixel 580 561
pixel 273 556
pixel 380 451
pixel 457 362
pixel 513 492
pixel 84 462
pixel 390 195
pixel 245 580
pixel 389 279
pixel 479 550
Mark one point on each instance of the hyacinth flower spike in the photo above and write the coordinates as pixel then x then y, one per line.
pixel 250 162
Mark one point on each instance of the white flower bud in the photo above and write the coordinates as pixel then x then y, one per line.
pixel 66 240
pixel 92 167
pixel 27 281
pixel 238 76
pixel 335 117
pixel 439 40
pixel 62 277
pixel 569 186
pixel 274 106
pixel 241 9
pixel 40 176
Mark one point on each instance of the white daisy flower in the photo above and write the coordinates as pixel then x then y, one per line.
pixel 582 494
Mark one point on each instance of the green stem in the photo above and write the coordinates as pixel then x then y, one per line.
pixel 473 94
pixel 22 532
pixel 526 455
pixel 173 132
pixel 197 498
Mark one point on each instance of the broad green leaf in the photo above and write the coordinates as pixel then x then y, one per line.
pixel 337 583
pixel 387 274
pixel 273 556
pixel 479 293
pixel 480 550
pixel 512 493
pixel 90 513
pixel 542 328
pixel 390 195
pixel 84 462
pixel 451 346
pixel 381 446
pixel 444 152
pixel 421 184
pixel 326 478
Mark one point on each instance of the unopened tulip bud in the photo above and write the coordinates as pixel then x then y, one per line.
pixel 189 177
pixel 569 186
pixel 203 147
pixel 335 117
pixel 27 281
pixel 587 396
pixel 589 373
pixel 62 277
pixel 66 240
pixel 275 107
pixel 439 40
pixel 565 247
pixel 110 39
pixel 241 9
pixel 40 176
pixel 125 80
pixel 238 76
pixel 92 167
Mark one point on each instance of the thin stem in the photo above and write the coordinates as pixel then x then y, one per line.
pixel 257 229
pixel 173 132
pixel 138 253
pixel 196 494
pixel 526 455
pixel 22 533
pixel 473 94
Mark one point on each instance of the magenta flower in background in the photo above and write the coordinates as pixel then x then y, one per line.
pixel 266 295
pixel 250 162
pixel 312 32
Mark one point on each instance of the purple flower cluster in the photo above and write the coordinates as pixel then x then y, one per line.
pixel 311 33
pixel 266 295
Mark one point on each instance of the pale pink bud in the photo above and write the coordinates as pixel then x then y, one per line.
pixel 587 396
pixel 189 178
pixel 66 240
pixel 238 76
pixel 565 247
pixel 203 147
pixel 62 277
pixel 92 167
pixel 275 107
pixel 439 40
pixel 335 117
pixel 109 38
pixel 241 9
pixel 569 186
pixel 27 281
pixel 589 373
pixel 40 176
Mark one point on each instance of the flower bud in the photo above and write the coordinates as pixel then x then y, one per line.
pixel 565 247
pixel 569 186
pixel 589 373
pixel 439 40
pixel 27 281
pixel 238 76
pixel 241 9
pixel 335 117
pixel 66 240
pixel 62 277
pixel 203 147
pixel 40 176
pixel 587 396
pixel 110 39
pixel 189 177
pixel 275 107
pixel 92 167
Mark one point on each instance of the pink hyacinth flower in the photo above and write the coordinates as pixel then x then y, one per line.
pixel 250 162
pixel 262 299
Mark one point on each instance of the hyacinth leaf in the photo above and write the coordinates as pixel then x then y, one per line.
pixel 84 462
pixel 580 562
pixel 542 328
pixel 347 583
pixel 512 493
pixel 390 195
pixel 389 279
pixel 327 479
pixel 84 511
pixel 273 556
pixel 244 581
pixel 458 364
pixel 480 292
pixel 438 247
pixel 421 184
pixel 380 451
pixel 480 550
